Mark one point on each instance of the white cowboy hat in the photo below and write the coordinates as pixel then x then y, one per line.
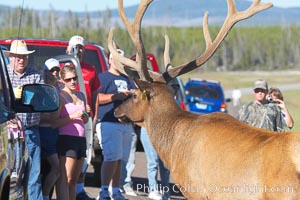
pixel 18 47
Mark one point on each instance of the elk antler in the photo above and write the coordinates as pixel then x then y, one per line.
pixel 233 16
pixel 134 30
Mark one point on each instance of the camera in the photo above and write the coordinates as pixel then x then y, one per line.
pixel 271 100
pixel 85 114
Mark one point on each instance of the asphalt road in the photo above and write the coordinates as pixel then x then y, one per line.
pixel 245 91
pixel 139 178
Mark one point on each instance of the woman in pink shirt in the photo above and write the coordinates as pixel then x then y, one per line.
pixel 71 144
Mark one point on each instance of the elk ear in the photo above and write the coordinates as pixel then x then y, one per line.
pixel 142 85
pixel 131 72
pixel 145 88
pixel 175 87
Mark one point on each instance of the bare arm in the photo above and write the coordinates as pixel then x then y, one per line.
pixel 108 98
pixel 287 116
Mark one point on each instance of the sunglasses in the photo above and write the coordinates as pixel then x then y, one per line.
pixel 70 79
pixel 257 90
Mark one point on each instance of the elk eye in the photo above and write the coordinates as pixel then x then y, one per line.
pixel 134 96
pixel 128 97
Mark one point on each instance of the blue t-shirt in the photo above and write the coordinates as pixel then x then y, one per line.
pixel 112 84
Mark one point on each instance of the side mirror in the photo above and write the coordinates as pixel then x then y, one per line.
pixel 39 98
pixel 228 100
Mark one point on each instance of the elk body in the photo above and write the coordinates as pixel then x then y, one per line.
pixel 212 156
pixel 215 156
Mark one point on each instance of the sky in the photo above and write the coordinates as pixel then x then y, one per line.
pixel 96 5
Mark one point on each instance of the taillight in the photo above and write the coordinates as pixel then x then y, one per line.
pixel 182 105
pixel 223 107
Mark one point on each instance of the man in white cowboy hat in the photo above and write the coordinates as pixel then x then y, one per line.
pixel 20 74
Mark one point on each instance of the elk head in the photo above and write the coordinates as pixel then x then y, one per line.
pixel 149 81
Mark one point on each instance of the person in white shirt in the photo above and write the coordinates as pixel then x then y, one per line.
pixel 236 95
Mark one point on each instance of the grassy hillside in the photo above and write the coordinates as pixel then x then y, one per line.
pixel 231 80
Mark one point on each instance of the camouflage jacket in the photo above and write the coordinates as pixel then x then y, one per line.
pixel 267 116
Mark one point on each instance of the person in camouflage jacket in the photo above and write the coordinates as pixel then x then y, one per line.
pixel 260 113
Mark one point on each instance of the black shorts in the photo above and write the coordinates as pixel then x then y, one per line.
pixel 71 146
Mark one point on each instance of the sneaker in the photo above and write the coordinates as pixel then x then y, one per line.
pixel 104 195
pixel 128 190
pixel 155 195
pixel 83 196
pixel 118 196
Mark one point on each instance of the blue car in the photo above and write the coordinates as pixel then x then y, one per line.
pixel 205 96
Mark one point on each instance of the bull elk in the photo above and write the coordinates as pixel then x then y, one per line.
pixel 212 156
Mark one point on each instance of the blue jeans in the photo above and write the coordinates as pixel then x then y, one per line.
pixel 34 151
pixel 153 161
pixel 128 167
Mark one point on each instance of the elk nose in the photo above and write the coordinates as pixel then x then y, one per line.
pixel 115 113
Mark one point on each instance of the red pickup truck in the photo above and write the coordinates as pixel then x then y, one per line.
pixel 153 63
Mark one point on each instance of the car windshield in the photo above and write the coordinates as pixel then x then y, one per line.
pixel 42 53
pixel 204 91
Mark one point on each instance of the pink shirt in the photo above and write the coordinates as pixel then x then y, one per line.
pixel 76 126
